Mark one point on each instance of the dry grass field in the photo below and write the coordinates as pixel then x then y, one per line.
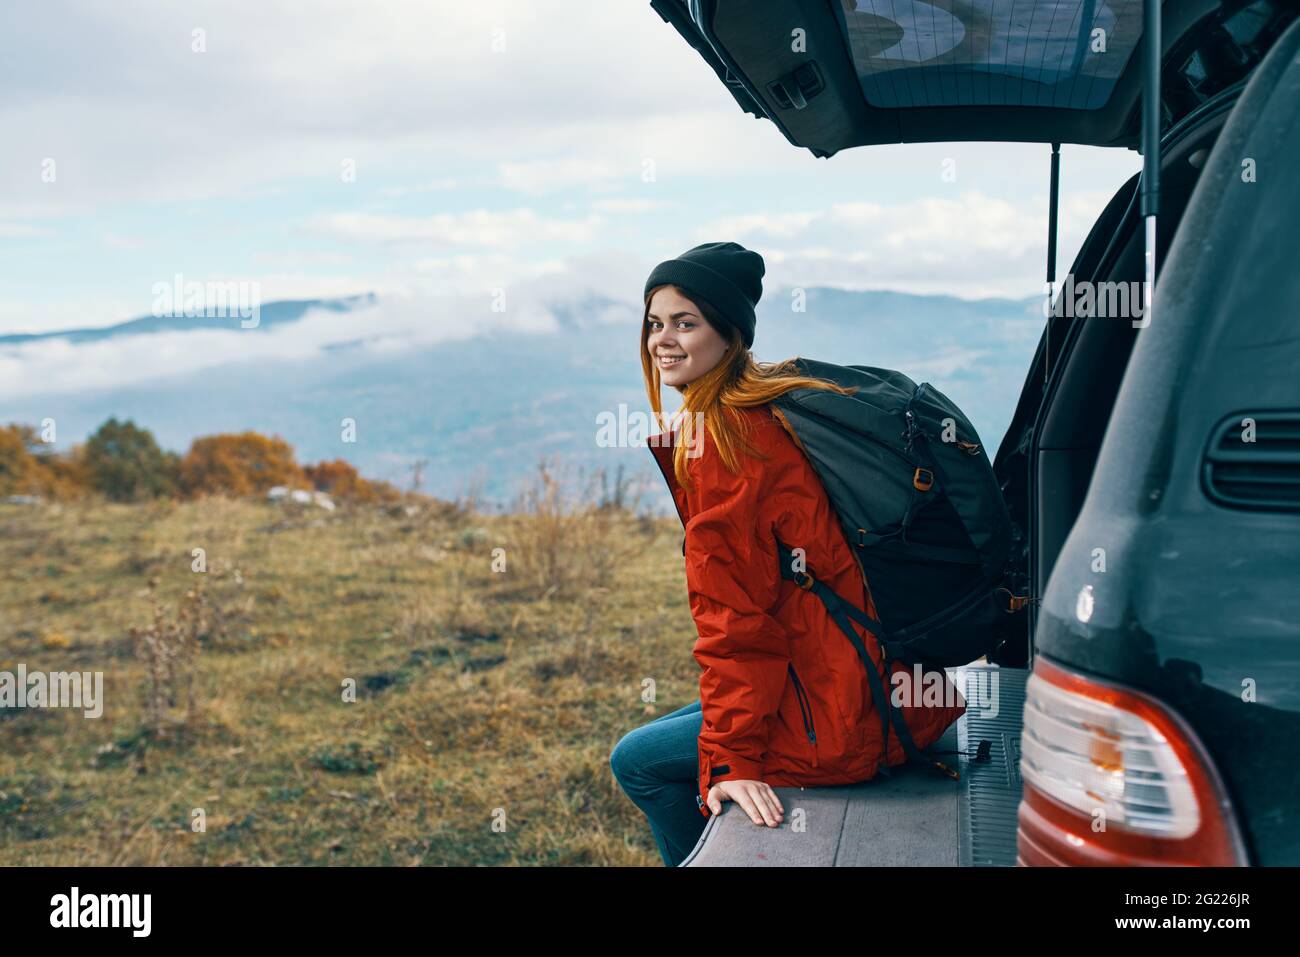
pixel 487 700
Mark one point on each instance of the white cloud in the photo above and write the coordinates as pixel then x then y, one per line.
pixel 119 242
pixel 629 206
pixel 765 226
pixel 402 87
pixel 541 176
pixel 69 312
pixel 434 186
pixel 416 95
pixel 278 95
pixel 274 287
pixel 22 231
pixel 968 245
pixel 482 228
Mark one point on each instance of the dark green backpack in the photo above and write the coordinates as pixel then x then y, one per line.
pixel 921 507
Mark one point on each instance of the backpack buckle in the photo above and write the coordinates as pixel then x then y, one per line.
pixel 804 580
pixel 923 480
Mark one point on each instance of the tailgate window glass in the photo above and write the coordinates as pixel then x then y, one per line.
pixel 1065 54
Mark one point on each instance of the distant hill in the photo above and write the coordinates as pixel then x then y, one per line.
pixel 269 316
pixel 484 409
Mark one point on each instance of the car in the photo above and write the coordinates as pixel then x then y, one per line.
pixel 1152 465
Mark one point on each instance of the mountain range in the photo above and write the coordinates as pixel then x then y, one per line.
pixel 483 407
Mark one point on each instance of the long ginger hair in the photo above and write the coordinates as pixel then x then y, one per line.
pixel 737 382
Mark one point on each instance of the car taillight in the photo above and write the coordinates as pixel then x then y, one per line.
pixel 1111 777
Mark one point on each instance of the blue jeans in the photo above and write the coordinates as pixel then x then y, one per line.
pixel 658 766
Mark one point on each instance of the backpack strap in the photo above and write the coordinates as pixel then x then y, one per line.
pixel 841 612
pixel 894 542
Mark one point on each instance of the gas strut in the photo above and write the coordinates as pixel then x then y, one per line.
pixel 1053 201
pixel 1150 189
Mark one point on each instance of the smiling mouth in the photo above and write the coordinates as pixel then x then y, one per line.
pixel 670 360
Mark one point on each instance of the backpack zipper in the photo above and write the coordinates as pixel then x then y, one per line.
pixel 805 711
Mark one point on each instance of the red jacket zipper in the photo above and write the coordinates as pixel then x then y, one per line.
pixel 805 711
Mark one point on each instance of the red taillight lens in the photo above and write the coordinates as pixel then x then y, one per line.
pixel 1111 777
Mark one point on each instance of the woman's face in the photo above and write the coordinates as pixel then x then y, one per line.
pixel 681 342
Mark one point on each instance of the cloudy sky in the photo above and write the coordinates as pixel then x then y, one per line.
pixel 438 151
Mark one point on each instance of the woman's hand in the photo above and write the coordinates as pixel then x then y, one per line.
pixel 757 799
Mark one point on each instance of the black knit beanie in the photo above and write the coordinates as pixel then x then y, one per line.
pixel 727 276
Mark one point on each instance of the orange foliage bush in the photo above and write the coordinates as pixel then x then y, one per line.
pixel 26 468
pixel 242 464
pixel 341 480
pixel 247 463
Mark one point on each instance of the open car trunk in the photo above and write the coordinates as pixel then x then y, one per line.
pixel 916 818
pixel 833 74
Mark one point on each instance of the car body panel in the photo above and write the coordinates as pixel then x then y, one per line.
pixel 1199 603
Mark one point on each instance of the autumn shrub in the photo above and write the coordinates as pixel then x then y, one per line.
pixel 246 463
pixel 340 480
pixel 29 466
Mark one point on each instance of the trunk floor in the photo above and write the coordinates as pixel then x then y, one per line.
pixel 914 818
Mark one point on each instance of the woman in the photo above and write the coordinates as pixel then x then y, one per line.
pixel 784 698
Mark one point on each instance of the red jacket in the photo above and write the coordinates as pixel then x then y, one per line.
pixel 785 697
